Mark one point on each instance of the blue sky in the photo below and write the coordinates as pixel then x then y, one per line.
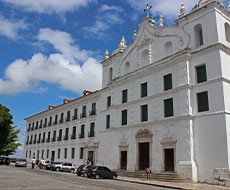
pixel 51 49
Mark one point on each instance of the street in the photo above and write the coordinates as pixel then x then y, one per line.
pixel 13 178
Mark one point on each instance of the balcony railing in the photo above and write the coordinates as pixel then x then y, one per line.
pixel 61 121
pixel 53 139
pixel 59 138
pixel 45 125
pixel 66 137
pixel 67 119
pixel 50 123
pixel 43 140
pixel 91 134
pixel 74 117
pixel 81 135
pixel 38 141
pixel 40 126
pixel 48 140
pixel 92 112
pixel 73 136
pixel 83 115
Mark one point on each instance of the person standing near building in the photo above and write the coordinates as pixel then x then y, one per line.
pixel 33 162
pixel 148 173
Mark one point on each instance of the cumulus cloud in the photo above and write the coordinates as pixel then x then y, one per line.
pixel 70 68
pixel 106 17
pixel 10 28
pixel 63 42
pixel 48 6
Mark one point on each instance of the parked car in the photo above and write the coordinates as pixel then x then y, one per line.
pixel 55 166
pixel 21 162
pixel 101 172
pixel 67 167
pixel 47 164
pixel 4 160
pixel 82 169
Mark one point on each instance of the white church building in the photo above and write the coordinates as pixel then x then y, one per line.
pixel 164 102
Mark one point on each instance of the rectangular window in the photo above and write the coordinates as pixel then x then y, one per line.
pixel 60 135
pixel 93 110
pixel 144 113
pixel 168 82
pixel 144 90
pixel 201 74
pixel 107 121
pixel 66 134
pixel 72 153
pixel 82 134
pixel 92 128
pixel 59 153
pixel 108 101
pixel 42 153
pixel 54 136
pixel 124 96
pixel 47 153
pixel 56 120
pixel 81 152
pixel 68 116
pixel 62 118
pixel 83 113
pixel 73 136
pixel 75 114
pixel 202 101
pixel 168 107
pixel 124 117
pixel 65 153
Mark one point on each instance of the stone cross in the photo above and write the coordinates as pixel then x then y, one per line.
pixel 147 9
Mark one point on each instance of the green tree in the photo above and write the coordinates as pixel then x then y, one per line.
pixel 8 133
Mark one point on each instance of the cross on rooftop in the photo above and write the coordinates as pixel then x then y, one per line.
pixel 147 9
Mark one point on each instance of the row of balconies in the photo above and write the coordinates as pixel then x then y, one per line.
pixel 66 137
pixel 74 117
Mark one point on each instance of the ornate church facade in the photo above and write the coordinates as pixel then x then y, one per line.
pixel 164 102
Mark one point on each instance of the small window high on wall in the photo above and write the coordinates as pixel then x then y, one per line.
pixel 110 75
pixel 227 31
pixel 198 34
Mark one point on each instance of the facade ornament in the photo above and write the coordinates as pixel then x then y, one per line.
pixel 134 34
pixel 151 21
pixel 228 8
pixel 106 56
pixel 182 11
pixel 161 21
pixel 122 44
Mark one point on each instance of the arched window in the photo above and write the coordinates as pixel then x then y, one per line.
pixel 198 34
pixel 227 31
pixel 127 65
pixel 110 75
pixel 144 57
pixel 168 48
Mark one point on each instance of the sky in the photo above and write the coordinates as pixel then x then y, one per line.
pixel 51 50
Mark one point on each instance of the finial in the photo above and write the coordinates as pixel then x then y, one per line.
pixel 106 56
pixel 161 21
pixel 147 9
pixel 134 34
pixel 122 44
pixel 182 10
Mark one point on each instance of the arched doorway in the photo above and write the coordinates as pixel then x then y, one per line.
pixel 144 144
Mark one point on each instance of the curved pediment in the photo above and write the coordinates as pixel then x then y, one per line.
pixel 144 133
pixel 152 44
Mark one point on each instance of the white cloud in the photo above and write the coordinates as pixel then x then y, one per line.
pixel 10 29
pixel 47 6
pixel 107 16
pixel 63 42
pixel 71 69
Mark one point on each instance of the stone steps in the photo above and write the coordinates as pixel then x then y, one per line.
pixel 164 176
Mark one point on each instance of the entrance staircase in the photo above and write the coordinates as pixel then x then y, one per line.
pixel 164 176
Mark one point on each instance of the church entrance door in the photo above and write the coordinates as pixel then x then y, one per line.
pixel 123 160
pixel 169 159
pixel 143 155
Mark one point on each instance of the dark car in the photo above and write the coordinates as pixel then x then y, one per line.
pixel 82 170
pixel 21 163
pixel 4 160
pixel 101 172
